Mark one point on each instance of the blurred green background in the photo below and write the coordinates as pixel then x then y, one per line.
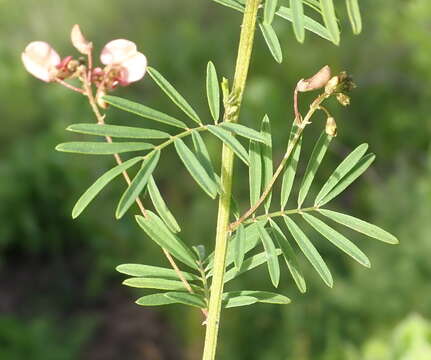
pixel 60 297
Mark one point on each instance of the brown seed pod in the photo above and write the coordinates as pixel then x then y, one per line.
pixel 317 81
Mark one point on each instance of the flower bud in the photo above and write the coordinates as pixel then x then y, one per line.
pixel 331 85
pixel 79 41
pixel 316 82
pixel 331 126
pixel 343 99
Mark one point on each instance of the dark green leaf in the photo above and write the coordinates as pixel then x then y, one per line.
pixel 309 251
pixel 309 23
pixel 261 296
pixel 155 300
pixel 159 233
pixel 213 91
pixel 316 158
pixel 354 16
pixel 143 111
pixel 230 141
pixel 337 239
pixel 272 41
pixel 156 283
pixel 100 183
pixel 330 20
pixel 139 270
pixel 243 131
pixel 102 148
pixel 118 131
pixel 251 240
pixel 187 299
pixel 255 171
pixel 289 256
pixel 239 246
pixel 204 158
pixel 248 264
pixel 360 226
pixel 345 166
pixel 230 302
pixel 269 10
pixel 137 185
pixel 298 19
pixel 289 172
pixel 196 168
pixel 271 255
pixel 266 149
pixel 161 207
pixel 361 166
pixel 173 94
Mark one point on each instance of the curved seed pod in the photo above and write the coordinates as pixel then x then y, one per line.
pixel 317 81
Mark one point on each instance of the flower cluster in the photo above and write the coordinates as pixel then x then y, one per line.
pixel 123 63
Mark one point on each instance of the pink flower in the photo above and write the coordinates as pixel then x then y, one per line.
pixel 41 60
pixel 79 41
pixel 123 56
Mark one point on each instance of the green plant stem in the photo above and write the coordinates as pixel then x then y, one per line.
pixel 231 115
pixel 281 213
pixel 291 145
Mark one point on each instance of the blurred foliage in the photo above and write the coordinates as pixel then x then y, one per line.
pixel 69 265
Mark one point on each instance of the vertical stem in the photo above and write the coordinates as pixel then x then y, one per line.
pixel 231 115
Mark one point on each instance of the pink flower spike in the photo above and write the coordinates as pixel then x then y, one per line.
pixel 123 56
pixel 79 41
pixel 41 60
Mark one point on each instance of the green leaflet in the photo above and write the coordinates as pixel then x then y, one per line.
pixel 118 131
pixel 161 207
pixel 330 20
pixel 316 158
pixel 196 168
pixel 230 141
pixel 337 239
pixel 140 270
pixel 100 183
pixel 267 159
pixel 354 16
pixel 156 283
pixel 231 4
pixel 137 185
pixel 243 131
pixel 360 226
pixel 271 255
pixel 309 251
pixel 272 41
pixel 261 296
pixel 204 158
pixel 309 23
pixel 298 19
pixel 143 111
pixel 255 171
pixel 102 148
pixel 239 246
pixel 289 256
pixel 237 301
pixel 251 240
pixel 289 174
pixel 345 166
pixel 269 10
pixel 160 234
pixel 187 299
pixel 173 94
pixel 155 300
pixel 248 264
pixel 360 167
pixel 213 91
